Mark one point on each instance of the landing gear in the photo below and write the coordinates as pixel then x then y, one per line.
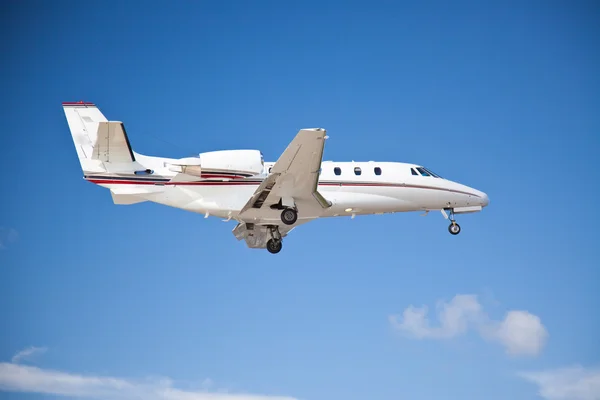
pixel 274 246
pixel 289 216
pixel 454 228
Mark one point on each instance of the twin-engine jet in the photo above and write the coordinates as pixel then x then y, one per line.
pixel 267 199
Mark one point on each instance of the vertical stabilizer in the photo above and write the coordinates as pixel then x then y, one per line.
pixel 97 140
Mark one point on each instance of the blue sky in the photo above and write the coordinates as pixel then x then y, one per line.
pixel 165 304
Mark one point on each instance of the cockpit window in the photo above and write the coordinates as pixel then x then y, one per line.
pixel 412 171
pixel 431 173
pixel 423 172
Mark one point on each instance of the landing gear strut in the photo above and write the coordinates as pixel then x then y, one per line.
pixel 274 244
pixel 289 216
pixel 453 228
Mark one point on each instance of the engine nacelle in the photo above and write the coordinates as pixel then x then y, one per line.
pixel 188 165
pixel 222 163
pixel 244 162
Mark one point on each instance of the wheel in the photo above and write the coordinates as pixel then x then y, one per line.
pixel 454 228
pixel 289 216
pixel 274 246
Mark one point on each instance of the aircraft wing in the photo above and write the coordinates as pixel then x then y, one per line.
pixel 294 177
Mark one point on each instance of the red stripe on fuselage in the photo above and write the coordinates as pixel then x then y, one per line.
pixel 256 183
pixel 199 183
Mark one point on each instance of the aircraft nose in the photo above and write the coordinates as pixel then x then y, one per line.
pixel 481 197
pixel 485 200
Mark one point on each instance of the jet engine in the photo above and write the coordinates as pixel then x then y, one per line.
pixel 228 163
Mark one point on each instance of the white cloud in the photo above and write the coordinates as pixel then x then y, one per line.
pixel 520 332
pixel 7 235
pixel 454 318
pixel 28 353
pixel 573 383
pixel 21 378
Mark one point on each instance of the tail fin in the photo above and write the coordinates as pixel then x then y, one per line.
pixel 97 140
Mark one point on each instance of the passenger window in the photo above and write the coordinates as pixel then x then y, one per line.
pixel 412 171
pixel 377 171
pixel 357 171
pixel 423 172
pixel 337 170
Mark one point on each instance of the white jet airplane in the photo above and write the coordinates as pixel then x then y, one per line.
pixel 267 199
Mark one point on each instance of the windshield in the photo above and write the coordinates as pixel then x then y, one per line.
pixel 426 172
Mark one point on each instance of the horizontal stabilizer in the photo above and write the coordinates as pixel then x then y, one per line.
pixel 126 199
pixel 138 190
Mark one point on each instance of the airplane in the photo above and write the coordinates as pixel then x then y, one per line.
pixel 266 199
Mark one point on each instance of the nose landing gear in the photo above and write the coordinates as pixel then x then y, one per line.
pixel 453 228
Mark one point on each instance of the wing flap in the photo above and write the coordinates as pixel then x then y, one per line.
pixel 295 174
pixel 261 194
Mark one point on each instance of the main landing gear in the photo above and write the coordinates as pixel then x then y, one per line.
pixel 289 216
pixel 274 244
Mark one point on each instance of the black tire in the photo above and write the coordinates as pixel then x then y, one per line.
pixel 289 216
pixel 274 246
pixel 454 229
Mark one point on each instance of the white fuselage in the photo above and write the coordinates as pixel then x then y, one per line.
pixel 267 200
pixel 353 188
